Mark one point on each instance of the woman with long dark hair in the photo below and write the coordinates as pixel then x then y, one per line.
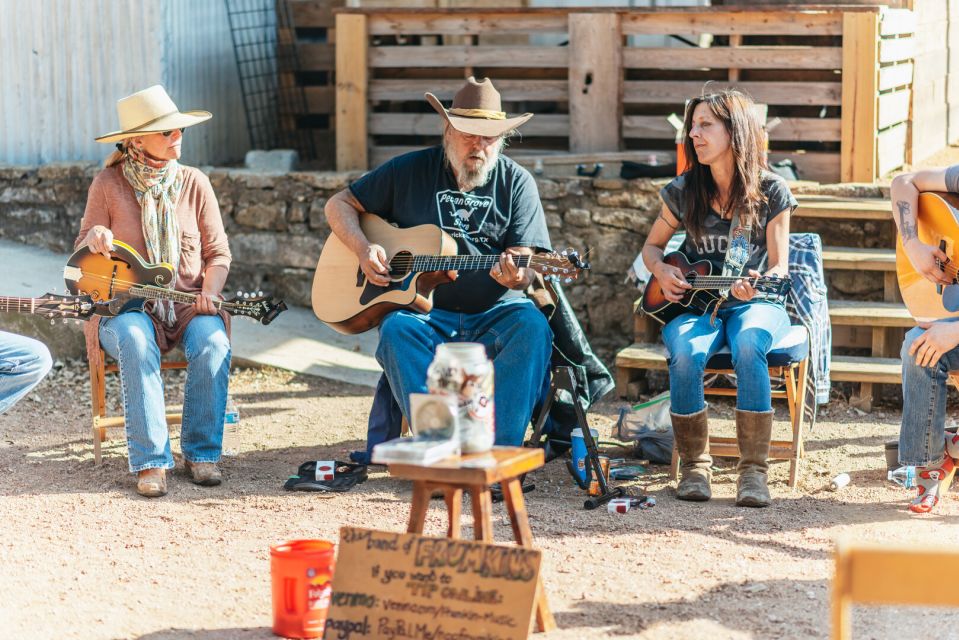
pixel 736 215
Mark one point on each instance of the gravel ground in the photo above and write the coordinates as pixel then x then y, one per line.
pixel 85 557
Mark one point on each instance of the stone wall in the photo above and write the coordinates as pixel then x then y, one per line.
pixel 277 229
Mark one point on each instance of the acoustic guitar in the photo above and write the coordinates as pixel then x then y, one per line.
pixel 51 306
pixel 937 225
pixel 420 259
pixel 705 289
pixel 126 277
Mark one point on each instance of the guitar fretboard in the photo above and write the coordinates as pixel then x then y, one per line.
pixel 12 304
pixel 452 263
pixel 152 293
pixel 722 282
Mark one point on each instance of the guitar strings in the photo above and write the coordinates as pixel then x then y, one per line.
pixel 150 288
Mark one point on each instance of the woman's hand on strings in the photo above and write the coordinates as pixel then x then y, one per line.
pixel 99 240
pixel 743 289
pixel 671 281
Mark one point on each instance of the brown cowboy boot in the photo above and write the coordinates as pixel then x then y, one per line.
pixel 691 432
pixel 204 474
pixel 151 483
pixel 753 432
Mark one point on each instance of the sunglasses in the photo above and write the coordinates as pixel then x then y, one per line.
pixel 167 134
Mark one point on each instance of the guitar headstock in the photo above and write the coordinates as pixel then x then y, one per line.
pixel 260 307
pixel 565 265
pixel 53 306
pixel 774 285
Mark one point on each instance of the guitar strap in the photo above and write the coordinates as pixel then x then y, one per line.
pixel 737 255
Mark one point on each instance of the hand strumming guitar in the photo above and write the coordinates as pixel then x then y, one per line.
pixel 374 264
pixel 927 260
pixel 671 280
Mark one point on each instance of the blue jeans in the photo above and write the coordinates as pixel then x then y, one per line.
pixel 922 436
pixel 516 336
pixel 749 329
pixel 130 339
pixel 23 363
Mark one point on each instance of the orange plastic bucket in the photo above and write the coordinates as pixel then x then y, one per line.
pixel 302 573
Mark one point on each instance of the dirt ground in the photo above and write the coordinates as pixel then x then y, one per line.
pixel 84 557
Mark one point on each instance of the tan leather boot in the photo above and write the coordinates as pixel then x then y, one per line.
pixel 753 432
pixel 691 432
pixel 204 474
pixel 151 483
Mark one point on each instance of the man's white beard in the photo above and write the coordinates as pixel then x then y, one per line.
pixel 468 178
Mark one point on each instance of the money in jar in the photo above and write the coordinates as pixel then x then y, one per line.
pixel 462 368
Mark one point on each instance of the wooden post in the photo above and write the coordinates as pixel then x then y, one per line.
pixel 351 92
pixel 595 82
pixel 860 69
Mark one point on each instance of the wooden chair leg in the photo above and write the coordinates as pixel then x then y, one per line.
pixel 97 439
pixel 419 506
pixel 674 465
pixel 454 508
pixel 796 397
pixel 482 513
pixel 519 519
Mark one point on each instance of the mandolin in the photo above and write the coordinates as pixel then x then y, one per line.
pixel 705 289
pixel 51 306
pixel 125 277
pixel 420 259
pixel 937 224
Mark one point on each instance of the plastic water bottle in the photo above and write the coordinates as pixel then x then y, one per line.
pixel 839 482
pixel 231 426
pixel 905 477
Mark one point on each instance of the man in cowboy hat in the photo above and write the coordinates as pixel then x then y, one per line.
pixel 490 206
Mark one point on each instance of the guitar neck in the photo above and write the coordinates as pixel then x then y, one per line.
pixel 13 304
pixel 453 263
pixel 724 282
pixel 153 293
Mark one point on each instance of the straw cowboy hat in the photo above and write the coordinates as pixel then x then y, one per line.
pixel 477 110
pixel 151 111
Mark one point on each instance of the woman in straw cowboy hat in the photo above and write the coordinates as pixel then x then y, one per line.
pixel 168 213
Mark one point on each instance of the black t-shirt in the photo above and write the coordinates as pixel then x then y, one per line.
pixel 419 188
pixel 712 246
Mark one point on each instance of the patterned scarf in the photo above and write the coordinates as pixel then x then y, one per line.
pixel 157 185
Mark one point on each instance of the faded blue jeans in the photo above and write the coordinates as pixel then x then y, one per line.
pixel 131 340
pixel 517 338
pixel 750 329
pixel 922 435
pixel 23 363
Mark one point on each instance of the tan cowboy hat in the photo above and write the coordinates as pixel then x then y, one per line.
pixel 477 110
pixel 151 111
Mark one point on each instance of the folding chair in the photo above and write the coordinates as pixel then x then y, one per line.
pixel 881 574
pixel 788 361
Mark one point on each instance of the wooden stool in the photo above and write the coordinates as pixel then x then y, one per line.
pixel 474 473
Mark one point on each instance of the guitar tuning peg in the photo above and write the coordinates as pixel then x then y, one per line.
pixel 53 322
pixel 259 294
pixel 555 270
pixel 568 281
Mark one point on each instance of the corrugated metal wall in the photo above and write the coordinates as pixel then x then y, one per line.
pixel 64 64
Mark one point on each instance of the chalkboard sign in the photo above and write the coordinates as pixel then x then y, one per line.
pixel 411 587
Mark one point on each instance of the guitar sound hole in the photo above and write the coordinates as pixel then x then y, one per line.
pixel 401 265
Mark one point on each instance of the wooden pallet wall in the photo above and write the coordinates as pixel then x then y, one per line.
pixel 837 77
